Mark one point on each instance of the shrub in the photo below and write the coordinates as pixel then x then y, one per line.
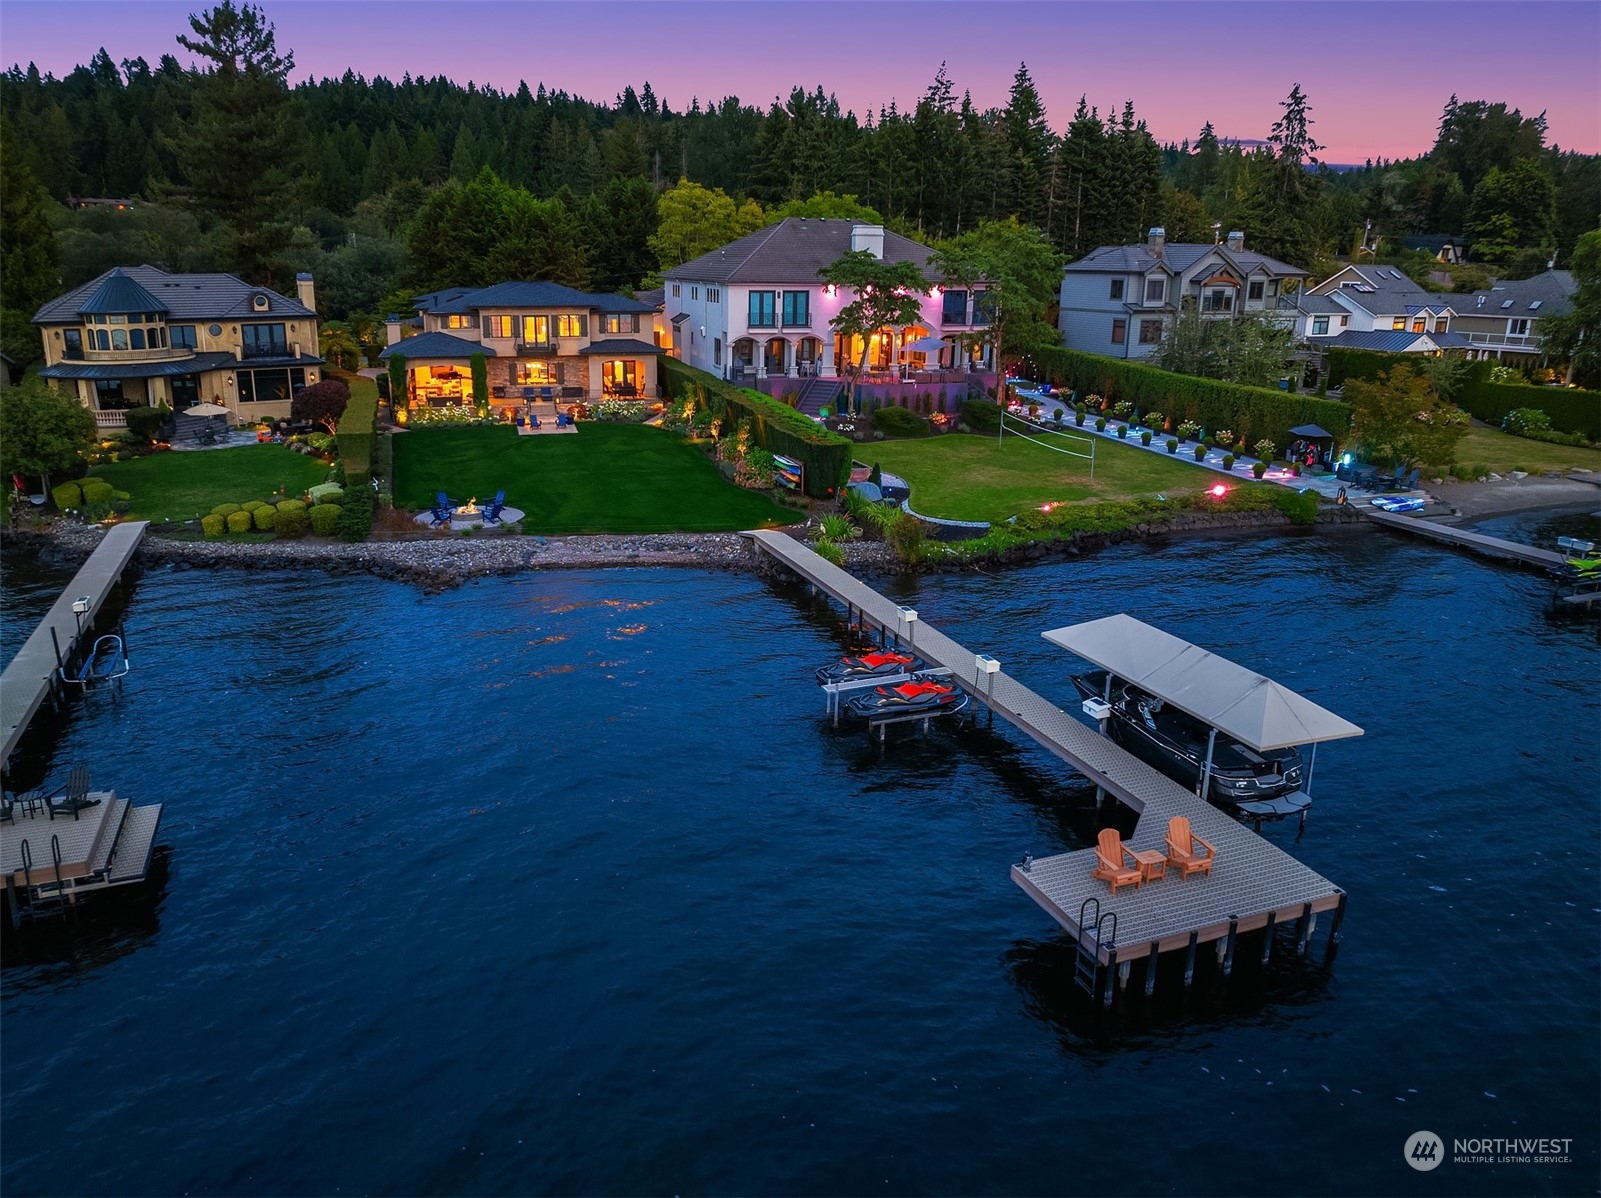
pixel 1228 461
pixel 325 493
pixel 899 422
pixel 145 423
pixel 226 509
pixel 292 521
pixel 1172 445
pixel 358 427
pixel 1145 436
pixel 321 403
pixel 324 518
pixel 355 517
pixel 251 505
pixel 1122 432
pixel 835 528
pixel 1265 449
pixel 829 552
pixel 290 505
pixel 1100 424
pixel 981 416
pixel 1079 413
pixel 1523 421
pixel 905 535
pixel 97 490
pixel 212 525
pixel 265 518
pixel 239 521
pixel 1200 453
pixel 1259 469
pixel 67 495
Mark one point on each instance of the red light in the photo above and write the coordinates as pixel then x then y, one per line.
pixel 1219 490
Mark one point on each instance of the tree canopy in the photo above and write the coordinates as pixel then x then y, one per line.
pixel 42 432
pixel 888 295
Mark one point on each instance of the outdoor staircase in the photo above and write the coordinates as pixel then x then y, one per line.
pixel 816 394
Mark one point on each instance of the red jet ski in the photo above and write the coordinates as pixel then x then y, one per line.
pixel 884 664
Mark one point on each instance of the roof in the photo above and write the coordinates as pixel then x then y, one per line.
pixel 1176 256
pixel 1236 701
pixel 654 299
pixel 460 301
pixel 198 364
pixel 1320 305
pixel 1383 291
pixel 120 293
pixel 1310 430
pixel 1551 290
pixel 437 347
pixel 1395 341
pixel 621 345
pixel 182 297
pixel 794 250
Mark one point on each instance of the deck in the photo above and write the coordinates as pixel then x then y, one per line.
pixel 1253 882
pixel 109 844
pixel 27 680
pixel 1462 538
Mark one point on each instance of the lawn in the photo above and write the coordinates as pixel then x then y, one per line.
pixel 962 477
pixel 606 478
pixel 1498 451
pixel 184 484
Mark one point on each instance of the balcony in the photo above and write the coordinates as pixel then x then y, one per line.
pixel 273 349
pixel 1505 340
pixel 1217 307
pixel 110 420
pixel 116 356
pixel 536 349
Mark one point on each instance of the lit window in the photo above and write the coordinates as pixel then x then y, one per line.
pixel 1419 324
pixel 572 325
pixel 620 323
pixel 1399 323
pixel 498 326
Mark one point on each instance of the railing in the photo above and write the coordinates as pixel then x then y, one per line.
pixel 1217 306
pixel 536 349
pixel 1528 339
pixel 110 420
pixel 179 354
pixel 274 350
pixel 73 353
pixel 949 320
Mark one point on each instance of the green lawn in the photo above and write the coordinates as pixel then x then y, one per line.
pixel 606 478
pixel 961 477
pixel 183 485
pixel 1501 452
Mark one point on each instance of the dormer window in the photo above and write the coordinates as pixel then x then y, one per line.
pixel 1155 290
pixel 258 302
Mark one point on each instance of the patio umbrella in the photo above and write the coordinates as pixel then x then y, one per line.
pixel 205 410
pixel 926 345
pixel 1311 432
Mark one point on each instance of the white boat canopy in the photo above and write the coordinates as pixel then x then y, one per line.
pixel 1254 710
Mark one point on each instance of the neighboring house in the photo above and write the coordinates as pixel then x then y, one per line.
pixel 757 310
pixel 540 341
pixel 1376 308
pixel 1505 320
pixel 138 336
pixel 1118 300
pixel 1441 246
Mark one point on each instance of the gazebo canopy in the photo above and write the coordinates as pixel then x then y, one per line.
pixel 1311 431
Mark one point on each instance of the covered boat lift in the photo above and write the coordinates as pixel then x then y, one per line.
pixel 1225 696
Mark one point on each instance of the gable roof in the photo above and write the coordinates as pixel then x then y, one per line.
pixel 463 301
pixel 1176 257
pixel 794 250
pixel 181 297
pixel 437 347
pixel 1395 341
pixel 1381 291
pixel 1552 290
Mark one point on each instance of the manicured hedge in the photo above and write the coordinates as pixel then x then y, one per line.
pixel 1365 364
pixel 1251 412
pixel 1571 409
pixel 775 426
pixel 324 518
pixel 355 517
pixel 67 495
pixel 358 428
pixel 237 521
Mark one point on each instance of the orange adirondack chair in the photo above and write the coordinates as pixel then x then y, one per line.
pixel 1185 849
pixel 1109 855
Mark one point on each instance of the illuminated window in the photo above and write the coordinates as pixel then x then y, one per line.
pixel 571 325
pixel 498 326
pixel 1399 323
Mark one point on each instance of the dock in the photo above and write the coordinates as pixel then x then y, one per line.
pixel 1253 885
pixel 49 860
pixel 1462 538
pixel 31 677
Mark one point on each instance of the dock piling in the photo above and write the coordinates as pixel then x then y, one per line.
pixel 1267 936
pixel 1303 929
pixel 1111 976
pixel 1228 945
pixel 1150 971
pixel 1189 960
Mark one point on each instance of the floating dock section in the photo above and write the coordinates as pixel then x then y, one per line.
pixel 31 677
pixel 50 859
pixel 1462 538
pixel 1253 884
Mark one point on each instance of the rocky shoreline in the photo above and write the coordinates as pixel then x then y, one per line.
pixel 437 563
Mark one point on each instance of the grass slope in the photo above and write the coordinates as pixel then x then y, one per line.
pixel 1498 451
pixel 962 477
pixel 607 478
pixel 183 485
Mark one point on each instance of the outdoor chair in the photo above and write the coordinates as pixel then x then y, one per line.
pixel 533 420
pixel 1410 481
pixel 563 420
pixel 530 394
pixel 1109 858
pixel 493 508
pixel 548 394
pixel 443 500
pixel 73 797
pixel 1185 849
pixel 441 515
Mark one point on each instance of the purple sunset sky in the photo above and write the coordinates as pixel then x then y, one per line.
pixel 1377 74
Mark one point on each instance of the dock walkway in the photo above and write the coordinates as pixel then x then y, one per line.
pixel 1462 538
pixel 28 679
pixel 1253 884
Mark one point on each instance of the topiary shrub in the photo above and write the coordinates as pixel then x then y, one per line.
pixel 1200 453
pixel 212 525
pixel 292 521
pixel 1259 468
pixel 67 495
pixel 1079 413
pixel 1172 445
pixel 1228 461
pixel 1122 432
pixel 324 519
pixel 290 505
pixel 238 521
pixel 1145 436
pixel 226 509
pixel 325 493
pixel 265 518
pixel 1100 424
pixel 251 505
pixel 97 490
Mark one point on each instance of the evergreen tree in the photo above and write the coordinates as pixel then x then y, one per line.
pixel 1029 143
pixel 1512 210
pixel 1279 197
pixel 27 242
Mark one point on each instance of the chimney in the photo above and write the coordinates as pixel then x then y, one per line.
pixel 307 290
pixel 869 238
pixel 1156 239
pixel 1236 240
pixel 392 329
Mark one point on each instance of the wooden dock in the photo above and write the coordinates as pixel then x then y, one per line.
pixel 1462 538
pixel 48 861
pixel 1254 884
pixel 29 679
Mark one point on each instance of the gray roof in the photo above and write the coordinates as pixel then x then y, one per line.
pixel 198 364
pixel 460 301
pixel 1319 305
pixel 181 297
pixel 621 345
pixel 655 299
pixel 1392 294
pixel 121 294
pixel 793 250
pixel 1177 257
pixel 437 347
pixel 1552 290
pixel 1239 702
pixel 1394 341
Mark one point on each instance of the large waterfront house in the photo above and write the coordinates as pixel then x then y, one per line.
pixel 1377 308
pixel 138 336
pixel 1503 321
pixel 757 312
pixel 1118 300
pixel 540 341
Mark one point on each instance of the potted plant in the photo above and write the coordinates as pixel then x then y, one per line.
pixel 1122 432
pixel 1259 468
pixel 1100 424
pixel 1228 461
pixel 1200 453
pixel 1079 412
pixel 1265 449
pixel 1172 445
pixel 1145 436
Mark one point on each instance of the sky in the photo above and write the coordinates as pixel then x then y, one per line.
pixel 1377 74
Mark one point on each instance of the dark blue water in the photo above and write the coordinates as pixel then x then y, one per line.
pixel 561 884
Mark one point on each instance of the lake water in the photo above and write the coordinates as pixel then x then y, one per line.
pixel 562 884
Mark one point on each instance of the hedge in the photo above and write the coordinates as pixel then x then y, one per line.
pixel 324 518
pixel 1571 409
pixel 479 366
pixel 97 490
pixel 1251 412
pixel 212 526
pixel 775 426
pixel 265 518
pixel 237 521
pixel 358 428
pixel 1364 364
pixel 355 517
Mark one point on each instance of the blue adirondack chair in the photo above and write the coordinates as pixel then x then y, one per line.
pixel 442 515
pixel 563 420
pixel 493 508
pixel 533 420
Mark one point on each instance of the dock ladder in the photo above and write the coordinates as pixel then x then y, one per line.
pixel 1092 927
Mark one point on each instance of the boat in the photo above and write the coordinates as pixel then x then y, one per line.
pixel 883 664
pixel 107 661
pixel 919 695
pixel 1175 743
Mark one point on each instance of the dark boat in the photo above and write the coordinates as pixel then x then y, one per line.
pixel 883 664
pixel 1175 743
pixel 915 696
